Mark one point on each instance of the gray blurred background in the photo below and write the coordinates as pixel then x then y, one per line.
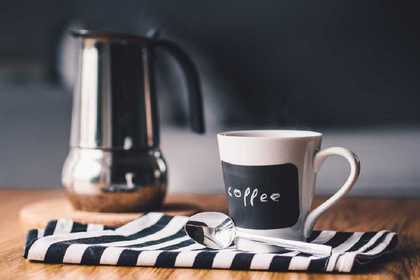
pixel 347 68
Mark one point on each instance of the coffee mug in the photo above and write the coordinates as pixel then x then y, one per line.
pixel 269 180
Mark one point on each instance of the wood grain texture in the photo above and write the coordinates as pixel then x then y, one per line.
pixel 37 214
pixel 353 214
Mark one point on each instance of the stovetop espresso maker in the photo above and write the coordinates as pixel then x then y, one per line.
pixel 115 163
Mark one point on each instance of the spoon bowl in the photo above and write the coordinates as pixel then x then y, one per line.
pixel 212 229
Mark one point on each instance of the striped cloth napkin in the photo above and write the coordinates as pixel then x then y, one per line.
pixel 159 240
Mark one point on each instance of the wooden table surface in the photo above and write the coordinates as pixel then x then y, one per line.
pixel 352 214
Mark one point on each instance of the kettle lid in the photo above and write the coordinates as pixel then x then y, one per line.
pixel 109 36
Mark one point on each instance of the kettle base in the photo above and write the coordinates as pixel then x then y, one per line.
pixel 115 181
pixel 143 199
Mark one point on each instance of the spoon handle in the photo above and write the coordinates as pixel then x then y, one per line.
pixel 304 247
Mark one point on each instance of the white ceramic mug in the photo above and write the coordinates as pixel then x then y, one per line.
pixel 269 180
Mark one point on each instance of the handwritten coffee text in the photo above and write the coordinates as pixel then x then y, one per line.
pixel 249 197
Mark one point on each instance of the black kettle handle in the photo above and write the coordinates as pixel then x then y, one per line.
pixel 195 100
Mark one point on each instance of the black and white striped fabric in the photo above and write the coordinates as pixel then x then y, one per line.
pixel 159 240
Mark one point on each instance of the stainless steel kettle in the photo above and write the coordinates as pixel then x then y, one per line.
pixel 115 163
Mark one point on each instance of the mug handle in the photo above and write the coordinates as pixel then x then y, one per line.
pixel 319 158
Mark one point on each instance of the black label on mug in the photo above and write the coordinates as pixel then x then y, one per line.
pixel 262 197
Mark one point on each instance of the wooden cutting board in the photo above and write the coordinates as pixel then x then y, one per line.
pixel 37 214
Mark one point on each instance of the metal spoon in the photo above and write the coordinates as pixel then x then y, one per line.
pixel 217 231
